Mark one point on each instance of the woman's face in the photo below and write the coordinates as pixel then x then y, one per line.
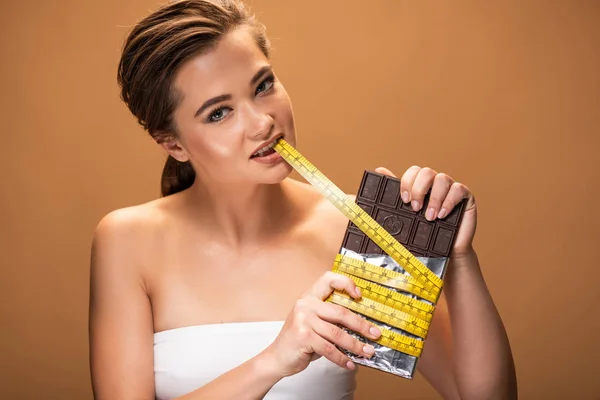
pixel 231 106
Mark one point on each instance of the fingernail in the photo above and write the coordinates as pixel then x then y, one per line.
pixel 429 214
pixel 405 197
pixel 442 213
pixel 368 349
pixel 415 205
pixel 350 365
pixel 374 331
pixel 358 293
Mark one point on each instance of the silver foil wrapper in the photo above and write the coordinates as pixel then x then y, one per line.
pixel 386 359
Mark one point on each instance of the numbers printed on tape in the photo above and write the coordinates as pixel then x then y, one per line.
pixel 383 276
pixel 390 298
pixel 383 313
pixel 399 342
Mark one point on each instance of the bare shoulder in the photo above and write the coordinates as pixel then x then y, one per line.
pixel 126 236
pixel 126 225
pixel 135 218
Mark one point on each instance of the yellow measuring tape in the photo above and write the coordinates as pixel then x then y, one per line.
pixel 402 343
pixel 383 313
pixel 398 301
pixel 359 217
pixel 383 276
pixel 377 302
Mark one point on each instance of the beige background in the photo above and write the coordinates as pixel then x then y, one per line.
pixel 504 97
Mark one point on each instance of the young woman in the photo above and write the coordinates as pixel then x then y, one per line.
pixel 215 290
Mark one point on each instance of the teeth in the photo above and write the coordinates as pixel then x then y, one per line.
pixel 266 148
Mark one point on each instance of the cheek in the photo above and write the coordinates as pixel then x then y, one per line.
pixel 202 149
pixel 284 110
pixel 207 143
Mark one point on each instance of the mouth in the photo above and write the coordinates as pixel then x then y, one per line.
pixel 267 149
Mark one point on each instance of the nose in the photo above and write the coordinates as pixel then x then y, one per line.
pixel 259 123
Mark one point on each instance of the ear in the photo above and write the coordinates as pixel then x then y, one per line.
pixel 175 149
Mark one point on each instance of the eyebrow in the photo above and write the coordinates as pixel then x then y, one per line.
pixel 260 73
pixel 224 97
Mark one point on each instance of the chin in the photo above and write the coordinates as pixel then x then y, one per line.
pixel 276 174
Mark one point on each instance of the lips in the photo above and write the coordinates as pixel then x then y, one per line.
pixel 266 148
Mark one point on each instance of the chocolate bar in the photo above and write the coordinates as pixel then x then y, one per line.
pixel 430 241
pixel 379 196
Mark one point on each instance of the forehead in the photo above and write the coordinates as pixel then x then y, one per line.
pixel 233 61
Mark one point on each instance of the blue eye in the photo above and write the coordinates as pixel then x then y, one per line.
pixel 219 114
pixel 265 85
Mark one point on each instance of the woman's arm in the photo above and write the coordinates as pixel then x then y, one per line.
pixel 120 322
pixel 467 354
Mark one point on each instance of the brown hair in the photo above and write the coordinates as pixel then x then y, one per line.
pixel 155 49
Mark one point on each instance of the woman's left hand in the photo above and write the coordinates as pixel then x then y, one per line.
pixel 445 195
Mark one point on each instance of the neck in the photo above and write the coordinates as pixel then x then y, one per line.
pixel 243 214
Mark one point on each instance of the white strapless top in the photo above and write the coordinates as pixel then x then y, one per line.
pixel 188 358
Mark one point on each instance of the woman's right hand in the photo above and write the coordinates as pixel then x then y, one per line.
pixel 310 330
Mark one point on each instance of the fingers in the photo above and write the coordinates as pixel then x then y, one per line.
pixel 330 352
pixel 330 281
pixel 313 321
pixel 445 192
pixel 439 192
pixel 384 171
pixel 406 182
pixel 336 335
pixel 420 187
pixel 339 315
pixel 457 192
